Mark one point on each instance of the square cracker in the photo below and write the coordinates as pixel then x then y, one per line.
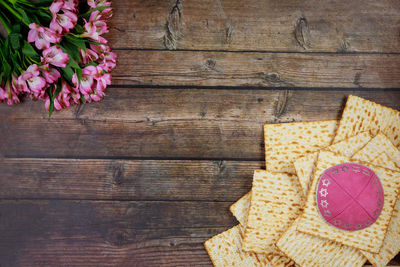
pixel 310 250
pixel 305 165
pixel 275 141
pixel 285 142
pixel 379 144
pixel 240 210
pixel 292 242
pixel 361 115
pixel 391 243
pixel 276 201
pixel 225 250
pixel 304 169
pixel 350 256
pixel 370 238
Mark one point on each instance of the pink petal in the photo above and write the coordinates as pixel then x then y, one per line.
pixel 57 105
pixel 65 23
pixel 56 6
pixel 42 44
pixel 71 16
pixel 86 85
pixel 32 36
pixel 36 83
pixel 55 26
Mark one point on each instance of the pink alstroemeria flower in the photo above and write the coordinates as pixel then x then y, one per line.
pixel 35 82
pixel 86 85
pixel 56 104
pixel 51 75
pixel 100 15
pixel 3 94
pixel 108 61
pixel 42 36
pixel 9 94
pixel 64 21
pixel 64 96
pixel 18 84
pixel 75 95
pixel 55 56
pixel 93 32
pixel 98 3
pixel 88 55
pixel 70 5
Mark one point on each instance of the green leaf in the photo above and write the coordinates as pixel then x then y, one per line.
pixel 83 99
pixel 68 73
pixel 16 28
pixel 6 69
pixel 14 39
pixel 51 106
pixel 79 74
pixel 29 51
pixel 44 15
pixel 35 19
pixel 78 42
pixel 15 60
pixel 72 63
pixel 79 29
pixel 93 42
pixel 70 49
pixel 58 90
pixel 6 46
pixel 25 16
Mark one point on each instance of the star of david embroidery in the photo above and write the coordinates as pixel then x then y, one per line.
pixel 327 213
pixel 324 203
pixel 337 222
pixel 323 192
pixel 326 182
pixel 356 169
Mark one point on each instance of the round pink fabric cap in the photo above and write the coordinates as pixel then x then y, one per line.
pixel 350 196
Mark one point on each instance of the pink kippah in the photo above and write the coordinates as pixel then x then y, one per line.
pixel 350 196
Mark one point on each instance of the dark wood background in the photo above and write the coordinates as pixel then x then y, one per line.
pixel 144 177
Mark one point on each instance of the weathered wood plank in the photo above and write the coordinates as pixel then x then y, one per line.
pixel 174 123
pixel 104 233
pixel 257 69
pixel 339 26
pixel 109 233
pixel 126 179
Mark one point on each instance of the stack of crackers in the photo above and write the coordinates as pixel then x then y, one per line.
pixel 279 222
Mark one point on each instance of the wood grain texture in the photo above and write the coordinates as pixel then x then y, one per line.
pixel 144 177
pixel 339 26
pixel 109 233
pixel 153 180
pixel 168 123
pixel 198 68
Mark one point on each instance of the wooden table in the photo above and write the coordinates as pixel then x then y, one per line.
pixel 144 177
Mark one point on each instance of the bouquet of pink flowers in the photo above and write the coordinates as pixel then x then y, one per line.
pixel 54 50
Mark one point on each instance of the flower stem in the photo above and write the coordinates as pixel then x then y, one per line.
pixel 13 11
pixel 5 24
